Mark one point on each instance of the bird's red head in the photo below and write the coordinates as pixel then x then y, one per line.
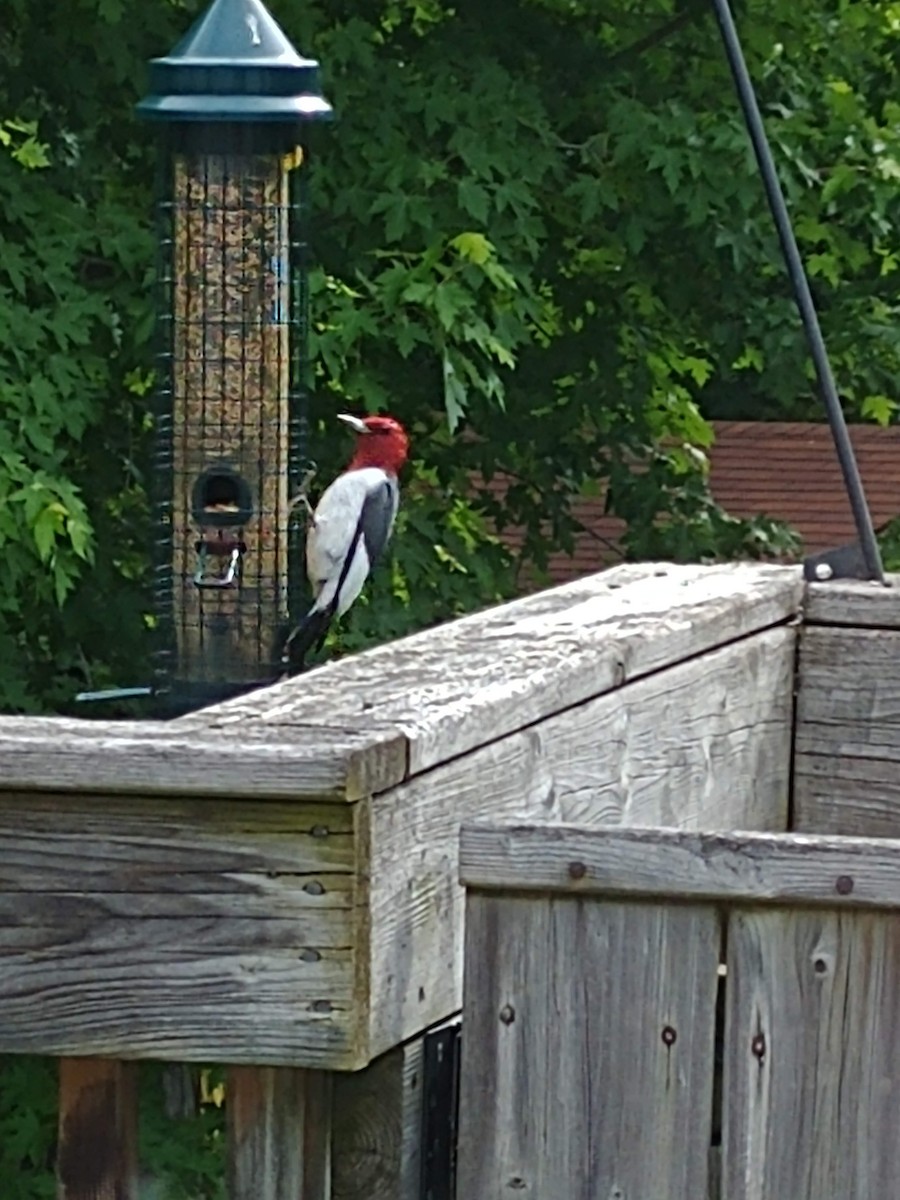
pixel 382 442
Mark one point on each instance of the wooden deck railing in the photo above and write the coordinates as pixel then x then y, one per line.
pixel 272 884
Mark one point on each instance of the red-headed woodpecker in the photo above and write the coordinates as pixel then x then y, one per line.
pixel 350 527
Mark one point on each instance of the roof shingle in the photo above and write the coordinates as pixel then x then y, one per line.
pixel 780 469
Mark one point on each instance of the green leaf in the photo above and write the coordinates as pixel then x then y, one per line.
pixel 474 200
pixel 474 247
pixel 454 394
pixel 880 409
pixel 45 528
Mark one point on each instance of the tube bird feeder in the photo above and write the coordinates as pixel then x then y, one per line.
pixel 234 101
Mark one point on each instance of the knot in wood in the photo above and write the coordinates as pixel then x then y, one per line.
pixel 577 870
pixel 844 885
pixel 507 1014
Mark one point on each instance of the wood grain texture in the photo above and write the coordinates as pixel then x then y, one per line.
pixel 793 868
pixel 360 725
pixel 180 930
pixel 376 1139
pixel 96 1156
pixel 279 1133
pixel 705 744
pixel 847 755
pixel 587 1049
pixel 177 757
pixel 471 681
pixel 812 1077
pixel 853 602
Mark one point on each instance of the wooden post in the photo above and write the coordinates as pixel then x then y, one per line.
pixel 97 1154
pixel 279 1133
pixel 376 1140
pixel 847 746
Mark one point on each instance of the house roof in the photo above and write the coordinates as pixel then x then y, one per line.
pixel 785 470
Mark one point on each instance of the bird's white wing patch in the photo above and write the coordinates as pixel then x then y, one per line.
pixel 328 542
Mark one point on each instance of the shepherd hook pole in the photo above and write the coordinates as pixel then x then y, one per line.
pixel 802 293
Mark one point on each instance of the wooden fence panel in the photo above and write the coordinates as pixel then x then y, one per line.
pixel 590 1026
pixel 588 950
pixel 812 1057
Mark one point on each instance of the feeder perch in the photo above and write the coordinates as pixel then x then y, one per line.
pixel 234 100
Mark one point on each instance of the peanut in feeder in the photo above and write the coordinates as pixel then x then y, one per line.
pixel 234 99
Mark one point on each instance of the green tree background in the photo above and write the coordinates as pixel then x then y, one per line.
pixel 540 240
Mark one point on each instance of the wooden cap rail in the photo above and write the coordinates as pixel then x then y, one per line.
pixel 442 693
pixel 662 863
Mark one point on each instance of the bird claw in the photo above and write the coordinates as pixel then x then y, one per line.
pixel 302 497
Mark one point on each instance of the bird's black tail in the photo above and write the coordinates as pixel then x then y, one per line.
pixel 308 634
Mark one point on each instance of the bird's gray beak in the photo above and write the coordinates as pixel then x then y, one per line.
pixel 357 425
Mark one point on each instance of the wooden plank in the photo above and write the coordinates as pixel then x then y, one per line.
pixel 703 745
pixel 376 1140
pixel 471 681
pixel 105 843
pixel 847 755
pixel 96 1156
pixel 181 930
pixel 279 1133
pixel 853 602
pixel 175 757
pixel 795 868
pixel 587 1055
pixel 812 1074
pixel 358 726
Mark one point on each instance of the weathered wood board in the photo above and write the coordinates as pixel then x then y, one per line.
pixel 812 1006
pixel 854 603
pixel 654 863
pixel 812 1058
pixel 376 1141
pixel 847 764
pixel 97 1143
pixel 279 1133
pixel 180 853
pixel 181 930
pixel 587 1049
pixel 704 745
pixel 188 758
pixel 471 681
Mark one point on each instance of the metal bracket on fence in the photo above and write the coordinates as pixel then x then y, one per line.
pixel 440 1112
pixel 844 562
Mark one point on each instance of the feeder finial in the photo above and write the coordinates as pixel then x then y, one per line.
pixel 235 64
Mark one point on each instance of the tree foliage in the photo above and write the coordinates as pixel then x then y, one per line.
pixel 540 240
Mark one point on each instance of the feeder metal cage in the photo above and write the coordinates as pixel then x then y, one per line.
pixel 231 401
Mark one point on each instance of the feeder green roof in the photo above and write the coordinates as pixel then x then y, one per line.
pixel 235 64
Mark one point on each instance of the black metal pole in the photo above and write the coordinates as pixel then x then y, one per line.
pixel 802 293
